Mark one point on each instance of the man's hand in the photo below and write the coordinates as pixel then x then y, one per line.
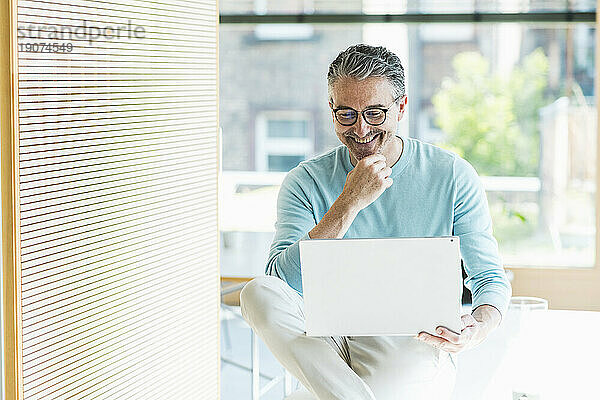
pixel 366 182
pixel 476 328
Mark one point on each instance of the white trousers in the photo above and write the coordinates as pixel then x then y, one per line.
pixel 344 367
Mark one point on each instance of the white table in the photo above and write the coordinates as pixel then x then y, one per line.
pixel 551 354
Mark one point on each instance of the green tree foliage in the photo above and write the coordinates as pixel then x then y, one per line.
pixel 492 120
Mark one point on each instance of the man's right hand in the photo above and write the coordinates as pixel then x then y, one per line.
pixel 366 182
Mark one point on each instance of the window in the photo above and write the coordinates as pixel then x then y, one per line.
pixel 533 145
pixel 283 139
pixel 530 129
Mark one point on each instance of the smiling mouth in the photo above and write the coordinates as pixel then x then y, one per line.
pixel 365 140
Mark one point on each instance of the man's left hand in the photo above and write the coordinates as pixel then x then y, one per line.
pixel 476 328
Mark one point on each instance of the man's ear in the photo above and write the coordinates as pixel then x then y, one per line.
pixel 402 106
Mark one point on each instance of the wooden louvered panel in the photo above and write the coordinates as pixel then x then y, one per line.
pixel 117 185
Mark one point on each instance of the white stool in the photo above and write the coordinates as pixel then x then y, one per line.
pixel 230 309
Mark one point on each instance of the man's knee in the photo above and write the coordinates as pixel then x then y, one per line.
pixel 258 295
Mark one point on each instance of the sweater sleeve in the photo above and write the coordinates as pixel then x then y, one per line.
pixel 294 220
pixel 486 278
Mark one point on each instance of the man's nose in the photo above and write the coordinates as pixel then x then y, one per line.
pixel 362 128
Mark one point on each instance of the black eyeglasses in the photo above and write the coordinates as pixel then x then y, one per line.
pixel 372 115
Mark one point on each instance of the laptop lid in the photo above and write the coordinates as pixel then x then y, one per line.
pixel 388 286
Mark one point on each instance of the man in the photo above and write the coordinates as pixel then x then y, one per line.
pixel 376 184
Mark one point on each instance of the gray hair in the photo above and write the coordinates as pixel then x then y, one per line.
pixel 362 61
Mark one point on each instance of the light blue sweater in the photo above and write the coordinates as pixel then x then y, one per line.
pixel 435 193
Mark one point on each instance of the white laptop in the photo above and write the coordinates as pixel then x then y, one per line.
pixel 373 287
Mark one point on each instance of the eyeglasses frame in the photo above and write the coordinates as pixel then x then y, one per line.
pixel 362 113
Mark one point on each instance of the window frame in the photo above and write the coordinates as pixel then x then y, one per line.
pixel 264 146
pixel 12 372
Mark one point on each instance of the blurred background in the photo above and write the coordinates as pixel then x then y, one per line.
pixel 506 84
